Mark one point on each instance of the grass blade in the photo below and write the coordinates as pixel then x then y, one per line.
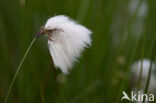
pixel 19 67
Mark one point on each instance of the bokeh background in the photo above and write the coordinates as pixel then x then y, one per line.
pixel 124 31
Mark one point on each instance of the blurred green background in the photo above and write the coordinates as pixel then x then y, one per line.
pixel 124 31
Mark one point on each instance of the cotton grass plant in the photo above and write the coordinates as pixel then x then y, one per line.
pixel 143 65
pixel 66 40
pixel 116 26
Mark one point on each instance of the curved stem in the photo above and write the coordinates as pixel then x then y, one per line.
pixel 19 67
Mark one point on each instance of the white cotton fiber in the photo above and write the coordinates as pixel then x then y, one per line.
pixel 67 42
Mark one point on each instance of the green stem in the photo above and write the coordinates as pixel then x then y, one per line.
pixel 141 67
pixel 19 67
pixel 149 72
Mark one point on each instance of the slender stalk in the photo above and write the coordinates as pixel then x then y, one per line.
pixel 129 65
pixel 141 67
pixel 19 67
pixel 55 78
pixel 51 67
pixel 149 72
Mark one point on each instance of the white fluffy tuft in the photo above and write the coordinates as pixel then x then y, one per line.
pixel 135 70
pixel 68 41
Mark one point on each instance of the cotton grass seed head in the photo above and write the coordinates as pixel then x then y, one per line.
pixel 66 40
pixel 135 72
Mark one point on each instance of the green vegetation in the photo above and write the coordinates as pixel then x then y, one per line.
pixel 123 32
